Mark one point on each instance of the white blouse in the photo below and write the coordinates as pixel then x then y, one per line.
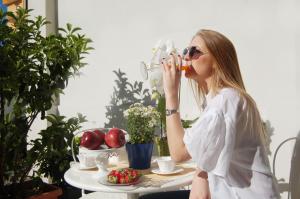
pixel 219 143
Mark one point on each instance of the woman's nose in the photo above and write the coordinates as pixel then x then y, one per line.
pixel 186 57
pixel 187 60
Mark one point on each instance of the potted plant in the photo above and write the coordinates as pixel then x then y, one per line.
pixel 33 69
pixel 141 123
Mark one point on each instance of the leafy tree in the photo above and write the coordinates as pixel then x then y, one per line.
pixel 33 69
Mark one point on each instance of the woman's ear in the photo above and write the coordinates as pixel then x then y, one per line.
pixel 214 65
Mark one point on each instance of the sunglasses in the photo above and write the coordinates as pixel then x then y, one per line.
pixel 192 52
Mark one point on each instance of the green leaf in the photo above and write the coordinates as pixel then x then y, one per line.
pixel 69 27
pixel 75 30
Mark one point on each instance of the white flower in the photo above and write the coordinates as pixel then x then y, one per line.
pixel 170 47
pixel 125 113
pixel 159 45
pixel 149 113
pixel 155 95
pixel 156 80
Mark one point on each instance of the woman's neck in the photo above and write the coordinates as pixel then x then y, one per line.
pixel 205 84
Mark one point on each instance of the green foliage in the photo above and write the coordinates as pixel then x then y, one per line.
pixel 162 146
pixel 188 123
pixel 161 108
pixel 141 123
pixel 33 69
pixel 125 94
pixel 54 153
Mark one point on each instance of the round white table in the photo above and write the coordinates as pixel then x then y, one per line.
pixel 87 180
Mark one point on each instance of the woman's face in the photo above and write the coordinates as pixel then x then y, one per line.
pixel 202 64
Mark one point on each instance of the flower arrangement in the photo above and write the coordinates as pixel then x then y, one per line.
pixel 141 123
pixel 162 49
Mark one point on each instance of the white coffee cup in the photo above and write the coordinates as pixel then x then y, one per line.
pixel 86 161
pixel 165 164
pixel 102 163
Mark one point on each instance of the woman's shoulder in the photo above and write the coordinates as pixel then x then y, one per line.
pixel 229 93
pixel 227 100
pixel 226 95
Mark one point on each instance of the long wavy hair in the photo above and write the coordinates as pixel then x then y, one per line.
pixel 226 73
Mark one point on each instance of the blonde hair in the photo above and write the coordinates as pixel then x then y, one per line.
pixel 226 73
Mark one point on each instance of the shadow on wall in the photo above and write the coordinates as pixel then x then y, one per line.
pixel 125 94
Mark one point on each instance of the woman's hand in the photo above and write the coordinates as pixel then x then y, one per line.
pixel 200 187
pixel 171 79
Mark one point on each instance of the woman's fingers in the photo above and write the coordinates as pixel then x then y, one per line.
pixel 172 61
pixel 179 62
pixel 165 65
pixel 171 64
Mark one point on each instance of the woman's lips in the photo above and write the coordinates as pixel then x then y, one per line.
pixel 189 68
pixel 189 71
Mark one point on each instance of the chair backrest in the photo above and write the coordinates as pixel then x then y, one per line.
pixel 293 186
pixel 295 170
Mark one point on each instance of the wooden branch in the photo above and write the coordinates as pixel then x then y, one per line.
pixel 31 120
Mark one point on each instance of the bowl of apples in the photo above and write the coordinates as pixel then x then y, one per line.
pixel 97 145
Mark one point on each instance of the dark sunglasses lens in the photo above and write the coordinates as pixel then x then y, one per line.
pixel 194 52
pixel 185 51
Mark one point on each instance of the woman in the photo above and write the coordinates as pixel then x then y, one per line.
pixel 227 141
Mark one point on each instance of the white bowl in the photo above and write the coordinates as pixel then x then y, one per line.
pixel 87 157
pixel 166 164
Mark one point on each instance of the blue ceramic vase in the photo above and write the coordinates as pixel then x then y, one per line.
pixel 139 155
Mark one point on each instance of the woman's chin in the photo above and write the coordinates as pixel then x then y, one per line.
pixel 190 73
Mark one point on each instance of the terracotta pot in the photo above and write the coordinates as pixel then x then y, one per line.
pixel 52 193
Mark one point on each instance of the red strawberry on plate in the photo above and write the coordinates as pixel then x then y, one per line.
pixel 123 176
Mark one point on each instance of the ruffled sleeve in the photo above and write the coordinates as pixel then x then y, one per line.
pixel 210 142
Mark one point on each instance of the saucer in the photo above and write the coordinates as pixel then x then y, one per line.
pixel 86 168
pixel 77 166
pixel 157 171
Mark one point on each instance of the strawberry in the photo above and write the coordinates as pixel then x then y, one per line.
pixel 134 173
pixel 112 179
pixel 113 172
pixel 128 179
pixel 122 176
pixel 116 172
pixel 122 180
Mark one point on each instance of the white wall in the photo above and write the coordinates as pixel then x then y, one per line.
pixel 265 34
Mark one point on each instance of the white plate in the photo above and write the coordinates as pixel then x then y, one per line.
pixel 103 180
pixel 157 171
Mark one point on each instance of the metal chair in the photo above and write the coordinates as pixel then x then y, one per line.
pixel 293 186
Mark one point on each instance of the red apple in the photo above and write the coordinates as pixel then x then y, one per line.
pixel 115 138
pixel 90 140
pixel 101 135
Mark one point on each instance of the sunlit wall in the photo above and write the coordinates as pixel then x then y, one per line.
pixel 266 35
